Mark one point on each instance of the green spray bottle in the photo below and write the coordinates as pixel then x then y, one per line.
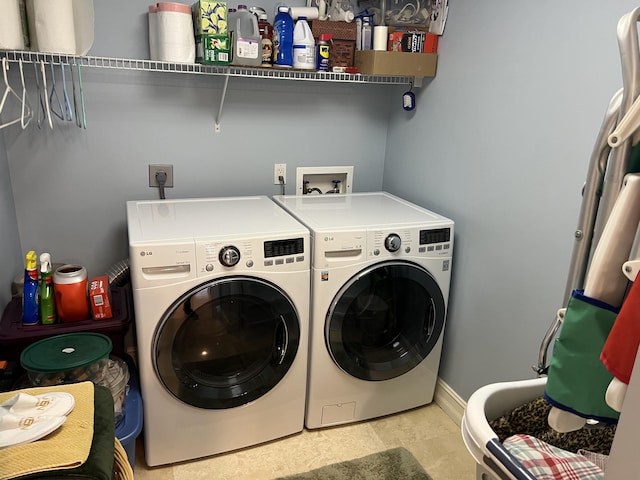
pixel 47 297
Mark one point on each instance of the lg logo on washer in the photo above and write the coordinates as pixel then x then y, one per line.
pixel 143 253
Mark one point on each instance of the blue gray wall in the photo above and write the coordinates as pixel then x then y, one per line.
pixel 500 143
pixel 11 264
pixel 70 185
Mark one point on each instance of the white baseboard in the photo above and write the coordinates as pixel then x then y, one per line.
pixel 449 401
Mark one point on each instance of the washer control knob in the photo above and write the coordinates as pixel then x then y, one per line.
pixel 229 256
pixel 392 242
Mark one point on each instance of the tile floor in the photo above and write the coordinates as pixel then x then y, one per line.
pixel 432 437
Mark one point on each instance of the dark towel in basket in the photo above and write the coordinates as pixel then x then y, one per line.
pixel 531 419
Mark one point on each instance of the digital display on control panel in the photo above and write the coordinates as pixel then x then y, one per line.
pixel 437 235
pixel 279 248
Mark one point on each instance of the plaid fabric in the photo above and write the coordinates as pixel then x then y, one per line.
pixel 597 458
pixel 547 462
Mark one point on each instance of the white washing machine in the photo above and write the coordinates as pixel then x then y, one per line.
pixel 221 297
pixel 380 279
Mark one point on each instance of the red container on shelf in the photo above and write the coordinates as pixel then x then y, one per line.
pixel 70 286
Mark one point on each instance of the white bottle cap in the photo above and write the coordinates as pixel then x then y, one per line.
pixel 45 262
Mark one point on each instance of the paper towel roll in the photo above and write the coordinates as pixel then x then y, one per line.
pixel 380 36
pixel 61 26
pixel 310 12
pixel 176 42
pixel 11 34
pixel 51 25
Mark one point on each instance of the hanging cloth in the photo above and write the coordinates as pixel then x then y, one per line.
pixel 577 378
pixel 619 352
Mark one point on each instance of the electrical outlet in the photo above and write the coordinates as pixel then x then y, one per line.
pixel 154 169
pixel 279 170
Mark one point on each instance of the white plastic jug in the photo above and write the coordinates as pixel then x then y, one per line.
pixel 247 44
pixel 304 46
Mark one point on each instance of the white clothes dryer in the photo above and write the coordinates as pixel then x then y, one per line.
pixel 221 300
pixel 380 279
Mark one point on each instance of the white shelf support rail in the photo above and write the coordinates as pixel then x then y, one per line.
pixel 224 94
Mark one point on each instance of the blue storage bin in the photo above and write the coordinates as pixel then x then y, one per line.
pixel 131 425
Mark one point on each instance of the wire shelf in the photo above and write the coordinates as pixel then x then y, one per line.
pixel 195 68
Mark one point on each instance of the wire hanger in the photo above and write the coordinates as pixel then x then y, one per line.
pixel 78 96
pixel 43 100
pixel 40 101
pixel 74 94
pixel 54 93
pixel 8 90
pixel 68 114
pixel 26 112
pixel 84 113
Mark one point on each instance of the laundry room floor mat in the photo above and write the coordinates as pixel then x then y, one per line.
pixel 390 464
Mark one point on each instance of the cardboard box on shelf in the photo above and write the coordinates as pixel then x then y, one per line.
pixel 209 18
pixel 376 62
pixel 213 49
pixel 343 36
pixel 100 297
pixel 412 39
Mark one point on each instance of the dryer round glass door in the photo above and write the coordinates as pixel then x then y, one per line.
pixel 384 321
pixel 226 343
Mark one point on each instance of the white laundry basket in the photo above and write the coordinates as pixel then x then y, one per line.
pixel 488 403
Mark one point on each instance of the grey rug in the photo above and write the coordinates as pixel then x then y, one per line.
pixel 397 463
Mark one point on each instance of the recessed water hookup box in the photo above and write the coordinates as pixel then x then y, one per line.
pixel 322 180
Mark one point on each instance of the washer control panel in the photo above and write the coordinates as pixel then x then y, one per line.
pixel 399 242
pixel 251 255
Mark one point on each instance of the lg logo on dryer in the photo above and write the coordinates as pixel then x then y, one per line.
pixel 143 253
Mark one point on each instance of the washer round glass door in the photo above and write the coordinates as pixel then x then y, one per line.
pixel 226 343
pixel 384 321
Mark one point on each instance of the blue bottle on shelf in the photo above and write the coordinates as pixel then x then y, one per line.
pixel 30 312
pixel 283 38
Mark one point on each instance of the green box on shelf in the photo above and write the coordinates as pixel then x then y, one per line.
pixel 213 49
pixel 209 18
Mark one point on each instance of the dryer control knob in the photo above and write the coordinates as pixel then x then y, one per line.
pixel 229 256
pixel 392 242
